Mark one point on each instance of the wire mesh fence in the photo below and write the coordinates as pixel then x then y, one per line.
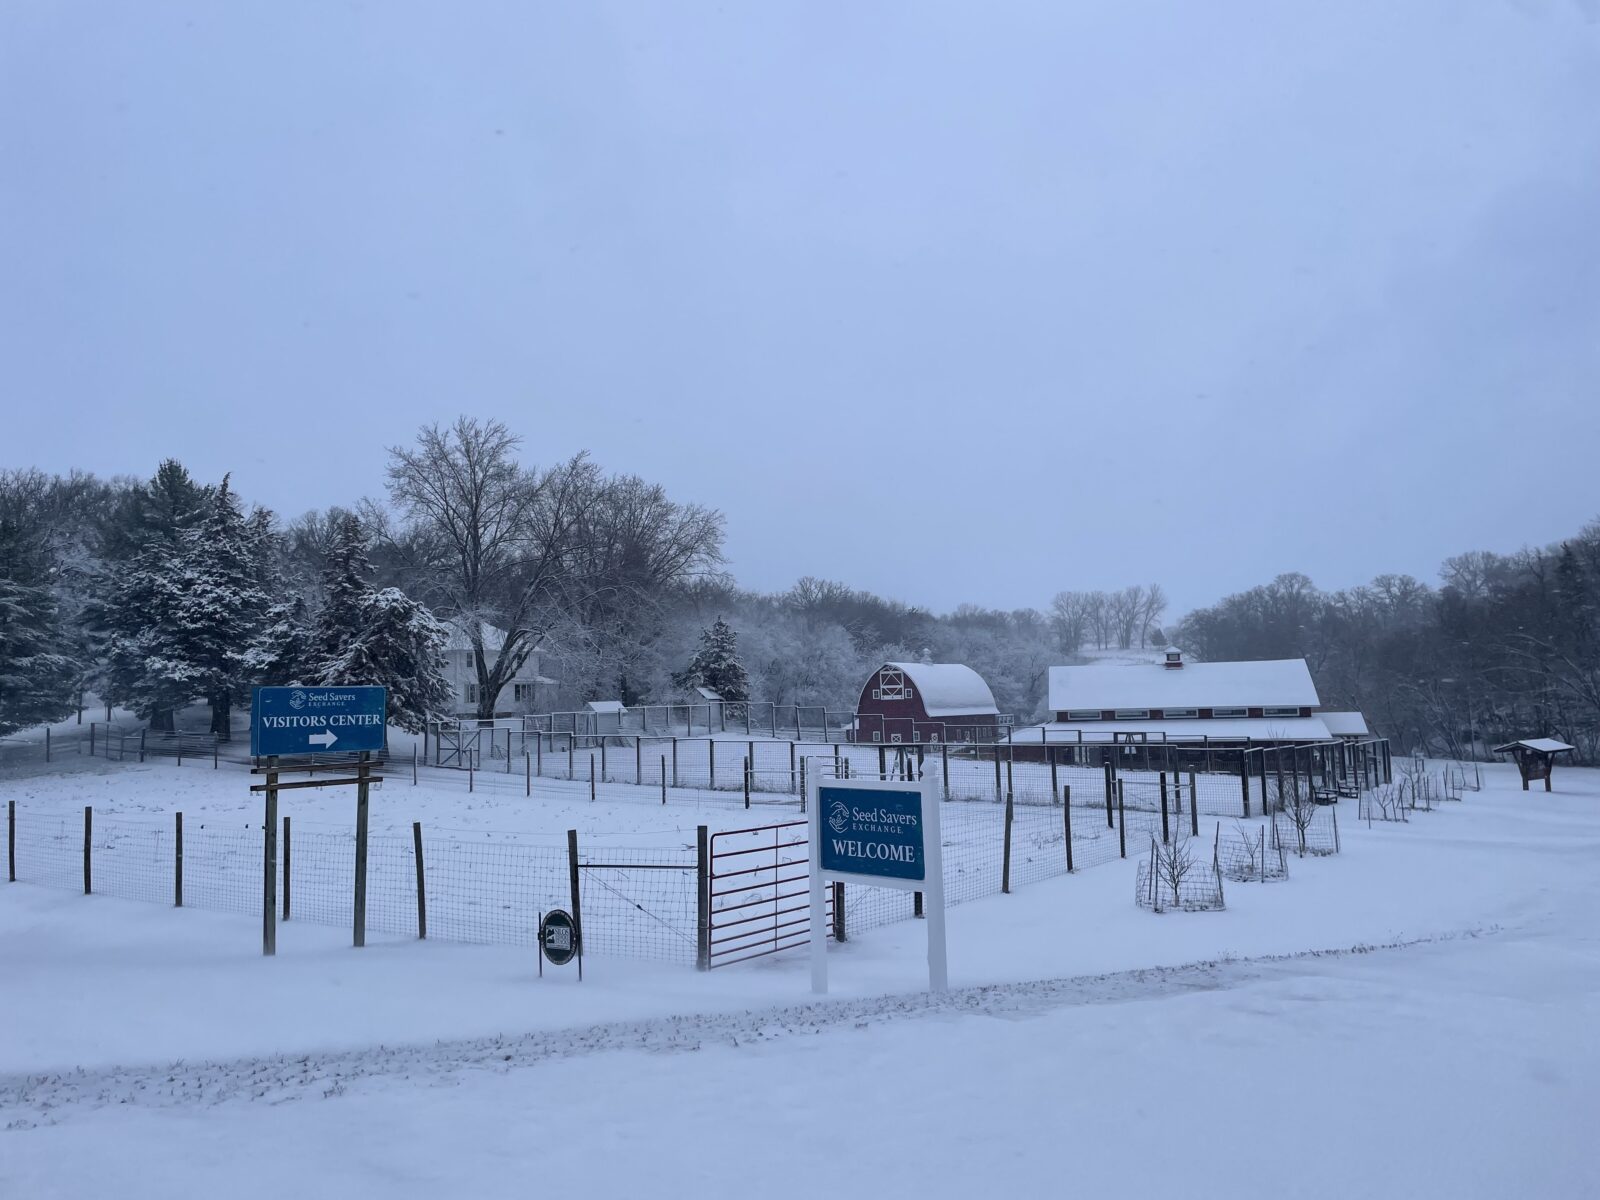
pixel 1307 830
pixel 1172 878
pixel 1246 854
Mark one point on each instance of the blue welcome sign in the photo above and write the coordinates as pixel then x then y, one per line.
pixel 880 832
pixel 317 720
pixel 872 832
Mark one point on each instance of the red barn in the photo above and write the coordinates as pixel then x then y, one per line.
pixel 926 702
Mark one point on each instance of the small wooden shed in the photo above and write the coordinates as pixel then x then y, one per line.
pixel 1535 757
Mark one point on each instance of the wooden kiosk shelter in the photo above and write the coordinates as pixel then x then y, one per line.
pixel 1535 757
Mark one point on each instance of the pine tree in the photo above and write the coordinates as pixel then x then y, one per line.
pixel 281 652
pixel 345 588
pixel 716 664
pixel 37 674
pixel 398 645
pixel 221 602
pixel 140 611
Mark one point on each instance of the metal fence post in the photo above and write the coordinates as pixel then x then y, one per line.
pixel 363 768
pixel 1194 806
pixel 177 861
pixel 88 830
pixel 1005 867
pixel 288 870
pixel 663 779
pixel 422 891
pixel 1244 780
pixel 1166 832
pixel 702 923
pixel 1122 823
pixel 1066 820
pixel 11 841
pixel 838 912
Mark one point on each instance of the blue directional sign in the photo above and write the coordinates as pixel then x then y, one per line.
pixel 317 720
pixel 872 831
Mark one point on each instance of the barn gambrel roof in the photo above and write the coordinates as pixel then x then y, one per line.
pixel 948 689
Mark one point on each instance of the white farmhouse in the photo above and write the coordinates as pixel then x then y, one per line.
pixel 525 693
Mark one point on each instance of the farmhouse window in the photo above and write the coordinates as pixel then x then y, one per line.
pixel 1133 714
pixel 1280 712
pixel 1230 712
pixel 1083 714
pixel 470 693
pixel 522 692
pixel 1180 712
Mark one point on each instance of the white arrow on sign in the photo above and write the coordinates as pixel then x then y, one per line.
pixel 325 739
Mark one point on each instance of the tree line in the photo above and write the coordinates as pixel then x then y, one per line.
pixel 1506 646
pixel 156 594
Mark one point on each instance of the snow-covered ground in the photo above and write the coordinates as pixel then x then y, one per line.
pixel 1412 1017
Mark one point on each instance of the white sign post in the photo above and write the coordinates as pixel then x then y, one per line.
pixel 882 833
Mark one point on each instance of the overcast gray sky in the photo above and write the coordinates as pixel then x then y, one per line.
pixel 954 302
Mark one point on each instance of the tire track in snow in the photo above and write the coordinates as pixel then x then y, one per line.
pixel 27 1100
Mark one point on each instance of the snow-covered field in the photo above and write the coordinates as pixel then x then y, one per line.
pixel 1412 1017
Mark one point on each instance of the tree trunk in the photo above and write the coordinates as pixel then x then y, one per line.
pixel 222 716
pixel 161 720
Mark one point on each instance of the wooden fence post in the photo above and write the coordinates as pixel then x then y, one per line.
pixel 1110 822
pixel 1244 780
pixel 1005 868
pixel 573 883
pixel 674 758
pixel 711 752
pixel 591 778
pixel 747 783
pixel 527 773
pixel 838 912
pixel 663 779
pixel 1166 832
pixel 997 788
pixel 422 891
pixel 11 841
pixel 1194 807
pixel 88 831
pixel 1055 786
pixel 1066 820
pixel 944 754
pixel 638 761
pixel 177 861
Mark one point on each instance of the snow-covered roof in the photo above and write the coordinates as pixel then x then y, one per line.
pixel 1544 745
pixel 949 689
pixel 493 636
pixel 1280 682
pixel 606 706
pixel 1256 729
pixel 1346 724
pixel 706 693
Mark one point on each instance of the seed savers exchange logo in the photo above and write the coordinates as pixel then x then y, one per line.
pixel 839 816
pixel 297 699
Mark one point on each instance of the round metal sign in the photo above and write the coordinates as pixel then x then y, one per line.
pixel 558 937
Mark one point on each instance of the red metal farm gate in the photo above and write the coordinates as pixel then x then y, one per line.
pixel 760 884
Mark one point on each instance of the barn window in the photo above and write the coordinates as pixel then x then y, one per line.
pixel 1180 712
pixel 877 694
pixel 1230 712
pixel 877 735
pixel 1133 714
pixel 1083 714
pixel 911 693
pixel 1280 712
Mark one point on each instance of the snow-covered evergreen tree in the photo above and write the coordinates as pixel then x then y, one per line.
pixel 220 602
pixel 365 635
pixel 37 673
pixel 346 584
pixel 716 664
pixel 397 645
pixel 281 652
pixel 140 613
